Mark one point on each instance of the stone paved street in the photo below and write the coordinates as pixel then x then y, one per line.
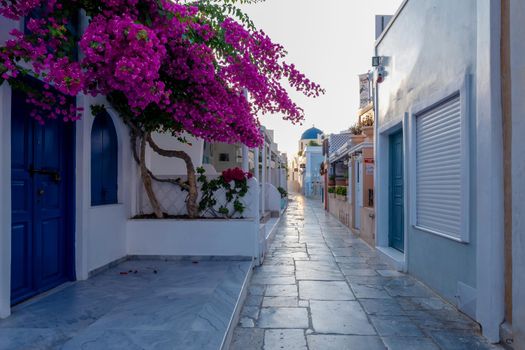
pixel 320 288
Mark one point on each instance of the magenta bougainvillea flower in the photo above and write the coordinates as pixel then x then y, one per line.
pixel 235 174
pixel 211 74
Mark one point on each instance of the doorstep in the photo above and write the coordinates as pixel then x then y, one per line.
pixel 394 256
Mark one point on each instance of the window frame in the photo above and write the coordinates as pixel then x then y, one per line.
pixel 226 158
pixel 463 89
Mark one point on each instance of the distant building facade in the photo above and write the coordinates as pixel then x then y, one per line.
pixel 305 167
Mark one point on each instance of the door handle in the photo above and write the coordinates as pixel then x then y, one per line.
pixel 55 176
pixel 41 192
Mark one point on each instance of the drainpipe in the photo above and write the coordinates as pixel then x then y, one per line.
pixel 377 190
pixel 506 105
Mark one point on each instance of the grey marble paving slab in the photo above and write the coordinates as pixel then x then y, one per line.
pixel 344 342
pixel 289 339
pixel 283 318
pixel 274 270
pixel 390 273
pixel 246 322
pixel 388 307
pixel 359 272
pixel 369 280
pixel 453 340
pixel 247 338
pixel 32 338
pixel 292 255
pixel 250 311
pixel 253 300
pixel 315 257
pixel 274 280
pixel 256 289
pixel 340 317
pixel 407 288
pixel 395 326
pixel 279 302
pixel 350 259
pixel 317 270
pixel 269 260
pixel 115 339
pixel 284 290
pixel 325 290
pixel 369 291
pixel 431 304
pixel 409 343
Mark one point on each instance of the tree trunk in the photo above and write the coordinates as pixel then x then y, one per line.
pixel 191 203
pixel 146 179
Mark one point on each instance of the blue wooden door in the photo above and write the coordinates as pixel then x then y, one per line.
pixel 396 200
pixel 42 217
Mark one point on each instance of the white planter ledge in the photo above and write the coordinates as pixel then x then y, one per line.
pixel 172 237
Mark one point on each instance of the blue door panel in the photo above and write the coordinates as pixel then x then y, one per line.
pixel 21 280
pixel 42 214
pixel 52 266
pixel 396 192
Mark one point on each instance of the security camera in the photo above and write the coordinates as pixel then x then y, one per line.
pixel 380 74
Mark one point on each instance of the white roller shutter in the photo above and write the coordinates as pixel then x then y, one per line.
pixel 438 168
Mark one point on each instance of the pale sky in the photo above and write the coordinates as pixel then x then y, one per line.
pixel 332 42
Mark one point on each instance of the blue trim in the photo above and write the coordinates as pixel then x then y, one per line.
pixel 104 161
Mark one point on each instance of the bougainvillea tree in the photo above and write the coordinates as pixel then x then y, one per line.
pixel 198 68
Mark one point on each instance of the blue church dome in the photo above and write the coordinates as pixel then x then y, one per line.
pixel 311 134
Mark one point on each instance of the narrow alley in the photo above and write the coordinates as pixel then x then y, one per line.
pixel 321 288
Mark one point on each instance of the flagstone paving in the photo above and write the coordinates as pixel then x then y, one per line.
pixel 321 288
pixel 139 304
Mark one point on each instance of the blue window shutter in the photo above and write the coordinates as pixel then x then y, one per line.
pixel 104 161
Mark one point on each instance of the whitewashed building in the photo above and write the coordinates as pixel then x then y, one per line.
pixel 70 190
pixel 444 158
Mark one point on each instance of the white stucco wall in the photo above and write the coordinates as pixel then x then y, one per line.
pixel 517 64
pixel 101 230
pixel 5 200
pixel 232 150
pixel 5 180
pixel 431 48
pixel 160 165
pixel 273 198
pixel 238 237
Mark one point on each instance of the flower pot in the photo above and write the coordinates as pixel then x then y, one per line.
pixel 340 182
pixel 357 139
pixel 369 132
